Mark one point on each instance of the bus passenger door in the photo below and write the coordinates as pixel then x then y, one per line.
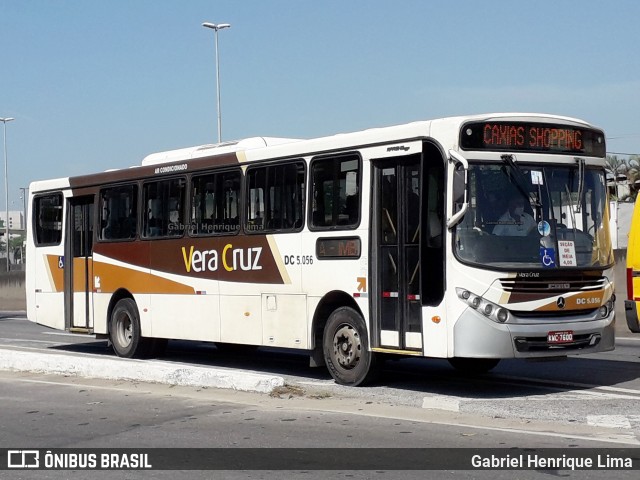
pixel 78 274
pixel 396 253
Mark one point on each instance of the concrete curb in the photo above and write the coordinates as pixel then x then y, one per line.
pixel 137 370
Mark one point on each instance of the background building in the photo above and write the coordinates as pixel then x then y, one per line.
pixel 16 229
pixel 16 220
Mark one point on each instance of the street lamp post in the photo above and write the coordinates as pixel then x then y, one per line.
pixel 6 185
pixel 215 27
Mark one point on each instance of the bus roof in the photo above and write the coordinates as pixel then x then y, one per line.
pixel 214 149
pixel 446 129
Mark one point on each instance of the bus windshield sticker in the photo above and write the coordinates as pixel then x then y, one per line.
pixel 536 177
pixel 567 253
pixel 544 228
pixel 548 257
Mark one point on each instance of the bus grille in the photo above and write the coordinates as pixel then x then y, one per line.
pixel 539 344
pixel 564 314
pixel 550 285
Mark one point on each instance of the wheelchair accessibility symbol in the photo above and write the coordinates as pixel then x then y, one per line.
pixel 548 257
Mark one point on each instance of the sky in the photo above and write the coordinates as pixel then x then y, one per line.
pixel 97 84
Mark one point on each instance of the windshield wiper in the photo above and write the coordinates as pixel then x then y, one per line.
pixel 573 209
pixel 521 180
pixel 581 163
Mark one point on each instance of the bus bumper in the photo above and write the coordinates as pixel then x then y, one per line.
pixel 478 337
pixel 631 312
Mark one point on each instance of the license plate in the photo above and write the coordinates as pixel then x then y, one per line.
pixel 555 338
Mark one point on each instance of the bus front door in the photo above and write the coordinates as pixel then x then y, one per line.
pixel 78 274
pixel 396 254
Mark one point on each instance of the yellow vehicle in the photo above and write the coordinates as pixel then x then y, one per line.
pixel 633 272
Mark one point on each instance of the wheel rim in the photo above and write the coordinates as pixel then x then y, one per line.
pixel 124 329
pixel 347 346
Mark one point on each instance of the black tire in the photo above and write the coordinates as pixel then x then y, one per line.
pixel 473 366
pixel 124 331
pixel 346 348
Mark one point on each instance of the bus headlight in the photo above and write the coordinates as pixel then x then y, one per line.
pixel 606 309
pixel 502 315
pixel 487 308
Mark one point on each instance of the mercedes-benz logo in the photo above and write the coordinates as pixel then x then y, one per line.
pixel 560 302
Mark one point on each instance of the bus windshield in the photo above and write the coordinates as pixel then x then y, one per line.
pixel 535 217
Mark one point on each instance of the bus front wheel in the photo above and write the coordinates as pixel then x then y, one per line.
pixel 124 330
pixel 346 348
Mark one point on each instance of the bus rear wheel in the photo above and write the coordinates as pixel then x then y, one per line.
pixel 473 365
pixel 346 348
pixel 124 331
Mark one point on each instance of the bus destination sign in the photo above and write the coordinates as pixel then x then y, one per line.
pixel 532 137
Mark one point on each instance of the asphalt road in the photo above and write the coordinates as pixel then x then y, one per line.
pixel 57 412
pixel 593 397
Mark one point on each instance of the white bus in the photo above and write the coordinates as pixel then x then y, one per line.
pixel 474 239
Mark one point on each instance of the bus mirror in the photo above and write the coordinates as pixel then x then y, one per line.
pixel 459 187
pixel 459 192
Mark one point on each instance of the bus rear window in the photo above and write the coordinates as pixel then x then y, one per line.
pixel 48 219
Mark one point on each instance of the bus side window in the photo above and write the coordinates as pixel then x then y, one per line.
pixel 214 203
pixel 154 220
pixel 335 195
pixel 118 213
pixel 48 212
pixel 164 200
pixel 275 197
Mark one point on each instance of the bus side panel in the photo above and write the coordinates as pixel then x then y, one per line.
pixel 258 313
pixel 633 272
pixel 30 268
pixel 45 279
pixel 100 312
pixel 185 317
pixel 48 286
pixel 436 336
pixel 349 275
pixel 241 319
pixel 283 318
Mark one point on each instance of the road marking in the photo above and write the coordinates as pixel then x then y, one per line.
pixel 609 421
pixel 442 402
pixel 452 403
pixel 623 340
pixel 563 385
pixel 626 439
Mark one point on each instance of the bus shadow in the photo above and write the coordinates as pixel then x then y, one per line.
pixel 510 379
